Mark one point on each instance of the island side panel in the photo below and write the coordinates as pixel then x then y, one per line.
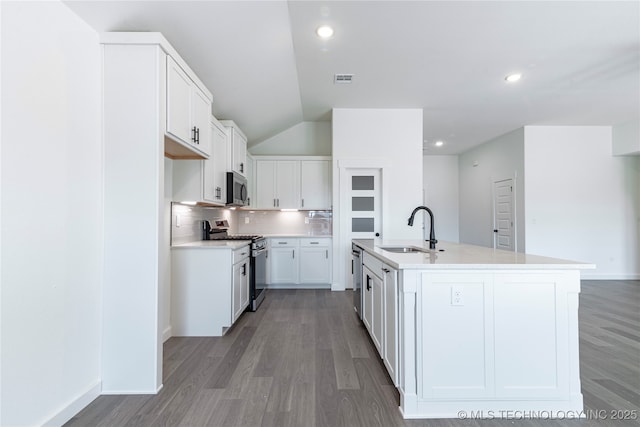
pixel 502 310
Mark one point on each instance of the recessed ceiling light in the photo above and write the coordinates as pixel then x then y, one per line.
pixel 513 77
pixel 324 31
pixel 438 143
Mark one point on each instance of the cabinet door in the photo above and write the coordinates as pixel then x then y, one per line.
pixel 240 287
pixel 390 354
pixel 315 265
pixel 178 102
pixel 377 313
pixel 239 153
pixel 287 184
pixel 237 290
pixel 244 284
pixel 200 113
pixel 284 265
pixel 367 297
pixel 315 184
pixel 215 168
pixel 265 184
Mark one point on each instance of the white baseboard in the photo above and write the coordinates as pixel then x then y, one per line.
pixel 136 392
pixel 75 406
pixel 166 334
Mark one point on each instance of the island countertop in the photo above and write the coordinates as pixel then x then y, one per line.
pixel 459 256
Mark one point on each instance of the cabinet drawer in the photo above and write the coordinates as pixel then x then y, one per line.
pixel 315 242
pixel 240 254
pixel 374 264
pixel 283 243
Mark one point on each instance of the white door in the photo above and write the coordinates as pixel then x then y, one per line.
pixel 364 203
pixel 503 229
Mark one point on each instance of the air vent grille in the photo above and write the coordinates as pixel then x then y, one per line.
pixel 342 78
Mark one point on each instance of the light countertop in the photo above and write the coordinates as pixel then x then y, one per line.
pixel 458 256
pixel 311 236
pixel 213 244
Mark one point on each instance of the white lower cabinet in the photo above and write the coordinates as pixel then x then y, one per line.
pixel 209 289
pixel 283 261
pixel 315 261
pixel 390 352
pixel 379 311
pixel 241 273
pixel 295 262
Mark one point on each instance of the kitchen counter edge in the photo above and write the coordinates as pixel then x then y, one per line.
pixel 460 256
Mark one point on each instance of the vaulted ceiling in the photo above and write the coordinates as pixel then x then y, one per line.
pixel 268 70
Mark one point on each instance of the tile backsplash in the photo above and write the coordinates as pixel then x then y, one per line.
pixel 186 222
pixel 309 223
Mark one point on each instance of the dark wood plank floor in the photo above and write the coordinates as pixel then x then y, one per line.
pixel 305 359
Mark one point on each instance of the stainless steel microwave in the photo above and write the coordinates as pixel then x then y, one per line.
pixel 237 191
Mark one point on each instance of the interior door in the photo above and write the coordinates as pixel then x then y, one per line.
pixel 503 228
pixel 364 203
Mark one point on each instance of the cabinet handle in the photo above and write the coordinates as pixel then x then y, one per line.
pixel 314 243
pixel 282 243
pixel 244 269
pixel 242 167
pixel 303 203
pixel 274 203
pixel 293 253
pixel 278 202
pixel 193 136
pixel 327 257
pixel 198 136
pixel 368 280
pixel 385 270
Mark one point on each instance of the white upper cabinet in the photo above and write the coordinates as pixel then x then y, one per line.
pixel 188 110
pixel 315 184
pixel 293 183
pixel 215 168
pixel 238 147
pixel 204 181
pixel 277 184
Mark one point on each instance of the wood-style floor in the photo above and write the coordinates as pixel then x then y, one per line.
pixel 305 359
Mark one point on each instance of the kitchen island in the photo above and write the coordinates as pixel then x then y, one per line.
pixel 473 332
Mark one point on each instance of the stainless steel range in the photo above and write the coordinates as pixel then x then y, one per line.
pixel 257 260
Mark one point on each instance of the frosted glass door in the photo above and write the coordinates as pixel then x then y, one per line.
pixel 364 203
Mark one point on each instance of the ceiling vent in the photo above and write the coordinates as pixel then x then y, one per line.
pixel 342 78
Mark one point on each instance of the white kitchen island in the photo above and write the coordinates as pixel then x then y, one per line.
pixel 479 333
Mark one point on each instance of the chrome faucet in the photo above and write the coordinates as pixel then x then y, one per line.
pixel 432 234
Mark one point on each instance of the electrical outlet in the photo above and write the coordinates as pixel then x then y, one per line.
pixel 457 295
pixel 177 220
pixel 306 220
pixel 247 220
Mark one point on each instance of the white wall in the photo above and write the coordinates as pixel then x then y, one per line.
pixel 582 202
pixel 390 137
pixel 303 139
pixel 498 159
pixel 626 138
pixel 51 214
pixel 441 196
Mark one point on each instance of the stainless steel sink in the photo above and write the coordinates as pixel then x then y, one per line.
pixel 403 249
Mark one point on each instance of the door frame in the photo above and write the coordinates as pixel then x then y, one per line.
pixel 341 242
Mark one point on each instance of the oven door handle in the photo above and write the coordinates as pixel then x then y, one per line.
pixel 259 252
